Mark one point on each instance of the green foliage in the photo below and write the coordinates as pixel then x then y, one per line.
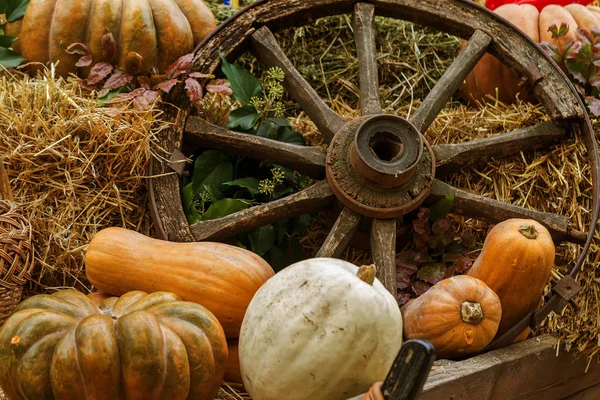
pixel 13 10
pixel 431 253
pixel 580 60
pixel 222 184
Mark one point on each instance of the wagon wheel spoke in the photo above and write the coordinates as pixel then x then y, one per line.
pixel 383 249
pixel 364 36
pixel 341 234
pixel 449 83
pixel 304 159
pixel 266 49
pixel 453 157
pixel 306 201
pixel 494 211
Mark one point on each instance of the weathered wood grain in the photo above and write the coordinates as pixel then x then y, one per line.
pixel 383 251
pixel 307 160
pixel 494 211
pixel 526 370
pixel 451 158
pixel 449 83
pixel 364 36
pixel 266 49
pixel 306 201
pixel 340 234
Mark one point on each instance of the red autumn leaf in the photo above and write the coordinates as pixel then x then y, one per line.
pixel 79 48
pixel 463 264
pixel 166 86
pixel 402 298
pixel 180 66
pixel 133 63
pixel 421 227
pixel 145 101
pixel 424 213
pixel 198 75
pixel 99 72
pixel 220 86
pixel 122 97
pixel 84 61
pixel 404 272
pixel 420 288
pixel 432 272
pixel 109 46
pixel 117 79
pixel 103 92
pixel 144 82
pixel 468 239
pixel 441 226
pixel 194 92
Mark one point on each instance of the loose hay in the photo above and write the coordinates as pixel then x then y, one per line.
pixel 75 169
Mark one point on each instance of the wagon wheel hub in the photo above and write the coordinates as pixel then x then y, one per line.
pixel 376 166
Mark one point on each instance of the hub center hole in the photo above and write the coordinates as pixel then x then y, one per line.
pixel 386 146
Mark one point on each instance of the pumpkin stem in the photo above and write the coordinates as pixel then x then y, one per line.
pixel 366 273
pixel 471 312
pixel 529 231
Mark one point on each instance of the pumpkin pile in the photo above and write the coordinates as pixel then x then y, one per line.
pixel 160 31
pixel 491 77
pixel 461 315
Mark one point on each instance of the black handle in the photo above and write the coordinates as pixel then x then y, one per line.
pixel 410 370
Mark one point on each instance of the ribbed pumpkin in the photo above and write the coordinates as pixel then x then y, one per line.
pixel 490 74
pixel 139 346
pixel 159 30
pixel 459 316
pixel 516 262
pixel 220 277
pixel 321 329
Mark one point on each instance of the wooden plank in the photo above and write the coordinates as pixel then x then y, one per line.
pixel 592 393
pixel 383 250
pixel 494 211
pixel 305 159
pixel 449 83
pixel 267 51
pixel 364 36
pixel 340 234
pixel 306 201
pixel 451 158
pixel 525 370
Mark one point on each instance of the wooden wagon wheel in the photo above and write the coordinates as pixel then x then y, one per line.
pixel 378 166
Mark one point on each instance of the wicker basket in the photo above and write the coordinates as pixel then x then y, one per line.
pixel 16 252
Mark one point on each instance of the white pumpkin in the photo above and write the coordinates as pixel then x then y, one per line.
pixel 317 331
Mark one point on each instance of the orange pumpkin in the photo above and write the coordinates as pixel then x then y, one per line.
pixel 490 75
pixel 160 31
pixel 232 367
pixel 516 262
pixel 220 277
pixel 459 316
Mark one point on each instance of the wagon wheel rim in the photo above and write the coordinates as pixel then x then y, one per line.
pixel 485 31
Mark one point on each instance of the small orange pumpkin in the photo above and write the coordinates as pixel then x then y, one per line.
pixel 516 262
pixel 459 316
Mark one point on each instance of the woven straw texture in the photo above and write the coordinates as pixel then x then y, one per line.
pixel 16 256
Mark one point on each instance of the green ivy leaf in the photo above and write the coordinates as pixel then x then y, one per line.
pixel 281 190
pixel 262 239
pixel 300 223
pixel 9 58
pixel 267 130
pixel 6 40
pixel 225 207
pixel 244 117
pixel 211 168
pixel 288 135
pixel 243 84
pixel 214 192
pixel 251 184
pixel 14 9
pixel 290 252
pixel 187 198
pixel 441 208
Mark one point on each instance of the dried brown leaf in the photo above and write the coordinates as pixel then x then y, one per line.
pixel 219 86
pixel 99 72
pixel 180 66
pixel 118 79
pixel 194 92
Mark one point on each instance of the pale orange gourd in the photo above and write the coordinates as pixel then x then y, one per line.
pixel 458 315
pixel 218 276
pixel 491 75
pixel 516 262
